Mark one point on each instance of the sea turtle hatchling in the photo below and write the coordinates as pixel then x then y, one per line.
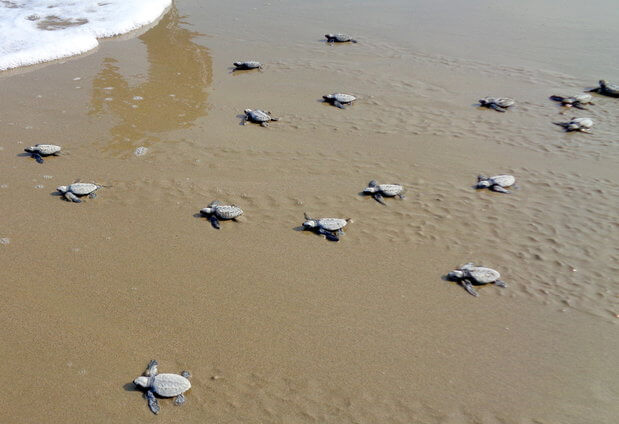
pixel 576 101
pixel 259 117
pixel 339 38
pixel 500 104
pixel 606 89
pixel 217 210
pixel 339 99
pixel 246 65
pixel 39 150
pixel 387 190
pixel 329 227
pixel 577 124
pixel 76 190
pixel 163 385
pixel 496 183
pixel 469 274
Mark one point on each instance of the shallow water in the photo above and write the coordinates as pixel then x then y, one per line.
pixel 294 328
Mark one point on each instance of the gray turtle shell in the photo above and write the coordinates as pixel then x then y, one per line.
pixel 331 224
pixel 609 89
pixel 247 64
pixel 390 190
pixel 341 97
pixel 82 189
pixel 222 211
pixel 579 124
pixel 480 274
pixel 503 102
pixel 44 149
pixel 502 180
pixel 339 38
pixel 169 385
pixel 257 115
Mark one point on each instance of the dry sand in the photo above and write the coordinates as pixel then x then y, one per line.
pixel 298 329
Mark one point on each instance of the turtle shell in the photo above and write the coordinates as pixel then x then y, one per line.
pixel 44 149
pixel 482 274
pixel 249 64
pixel 583 98
pixel 340 38
pixel 227 211
pixel 343 98
pixel 169 385
pixel 580 123
pixel 503 180
pixel 258 116
pixel 608 88
pixel 390 190
pixel 82 189
pixel 332 224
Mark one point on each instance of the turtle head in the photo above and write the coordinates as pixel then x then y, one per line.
pixel 30 149
pixel 370 189
pixel 142 381
pixel 62 189
pixel 310 223
pixel 483 184
pixel 328 97
pixel 247 111
pixel 329 36
pixel 455 275
pixel 602 83
pixel 206 211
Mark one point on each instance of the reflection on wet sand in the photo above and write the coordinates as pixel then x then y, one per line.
pixel 163 99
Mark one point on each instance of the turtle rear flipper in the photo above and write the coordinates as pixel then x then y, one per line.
pixel 179 400
pixel 264 124
pixel 36 156
pixel 72 197
pixel 338 104
pixel 215 222
pixel 92 195
pixel 153 403
pixel 353 41
pixel 500 283
pixel 185 374
pixel 379 198
pixel 468 286
pixel 499 189
pixel 328 234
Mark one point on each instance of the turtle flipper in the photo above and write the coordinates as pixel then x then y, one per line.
pixel 264 124
pixel 373 183
pixel 92 195
pixel 151 369
pixel 185 374
pixel 328 234
pixel 579 105
pixel 153 403
pixel 353 41
pixel 500 283
pixel 36 156
pixel 499 189
pixel 215 222
pixel 179 400
pixel 274 119
pixel 468 286
pixel 379 198
pixel 338 104
pixel 496 107
pixel 72 197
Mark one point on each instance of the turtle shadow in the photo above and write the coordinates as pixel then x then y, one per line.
pixel 198 215
pixel 235 71
pixel 131 387
pixel 243 119
pixel 24 154
pixel 56 193
pixel 301 228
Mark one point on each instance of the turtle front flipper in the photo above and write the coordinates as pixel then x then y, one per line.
pixel 36 156
pixel 179 400
pixel 153 403
pixel 185 374
pixel 338 104
pixel 499 189
pixel 379 198
pixel 328 234
pixel 151 369
pixel 468 286
pixel 500 283
pixel 72 197
pixel 215 222
pixel 496 107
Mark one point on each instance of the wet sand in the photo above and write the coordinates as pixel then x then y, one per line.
pixel 295 328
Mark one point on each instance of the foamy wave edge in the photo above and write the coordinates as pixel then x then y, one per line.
pixel 34 31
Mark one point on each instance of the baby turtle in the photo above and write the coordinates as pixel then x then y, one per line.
pixel 249 64
pixel 339 38
pixel 259 117
pixel 577 124
pixel 379 190
pixel 39 150
pixel 339 99
pixel 469 274
pixel 607 89
pixel 576 101
pixel 216 211
pixel 499 104
pixel 76 190
pixel 329 227
pixel 164 385
pixel 496 183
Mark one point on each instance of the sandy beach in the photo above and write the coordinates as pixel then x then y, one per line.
pixel 279 325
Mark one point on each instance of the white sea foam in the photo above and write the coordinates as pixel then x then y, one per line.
pixel 35 31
